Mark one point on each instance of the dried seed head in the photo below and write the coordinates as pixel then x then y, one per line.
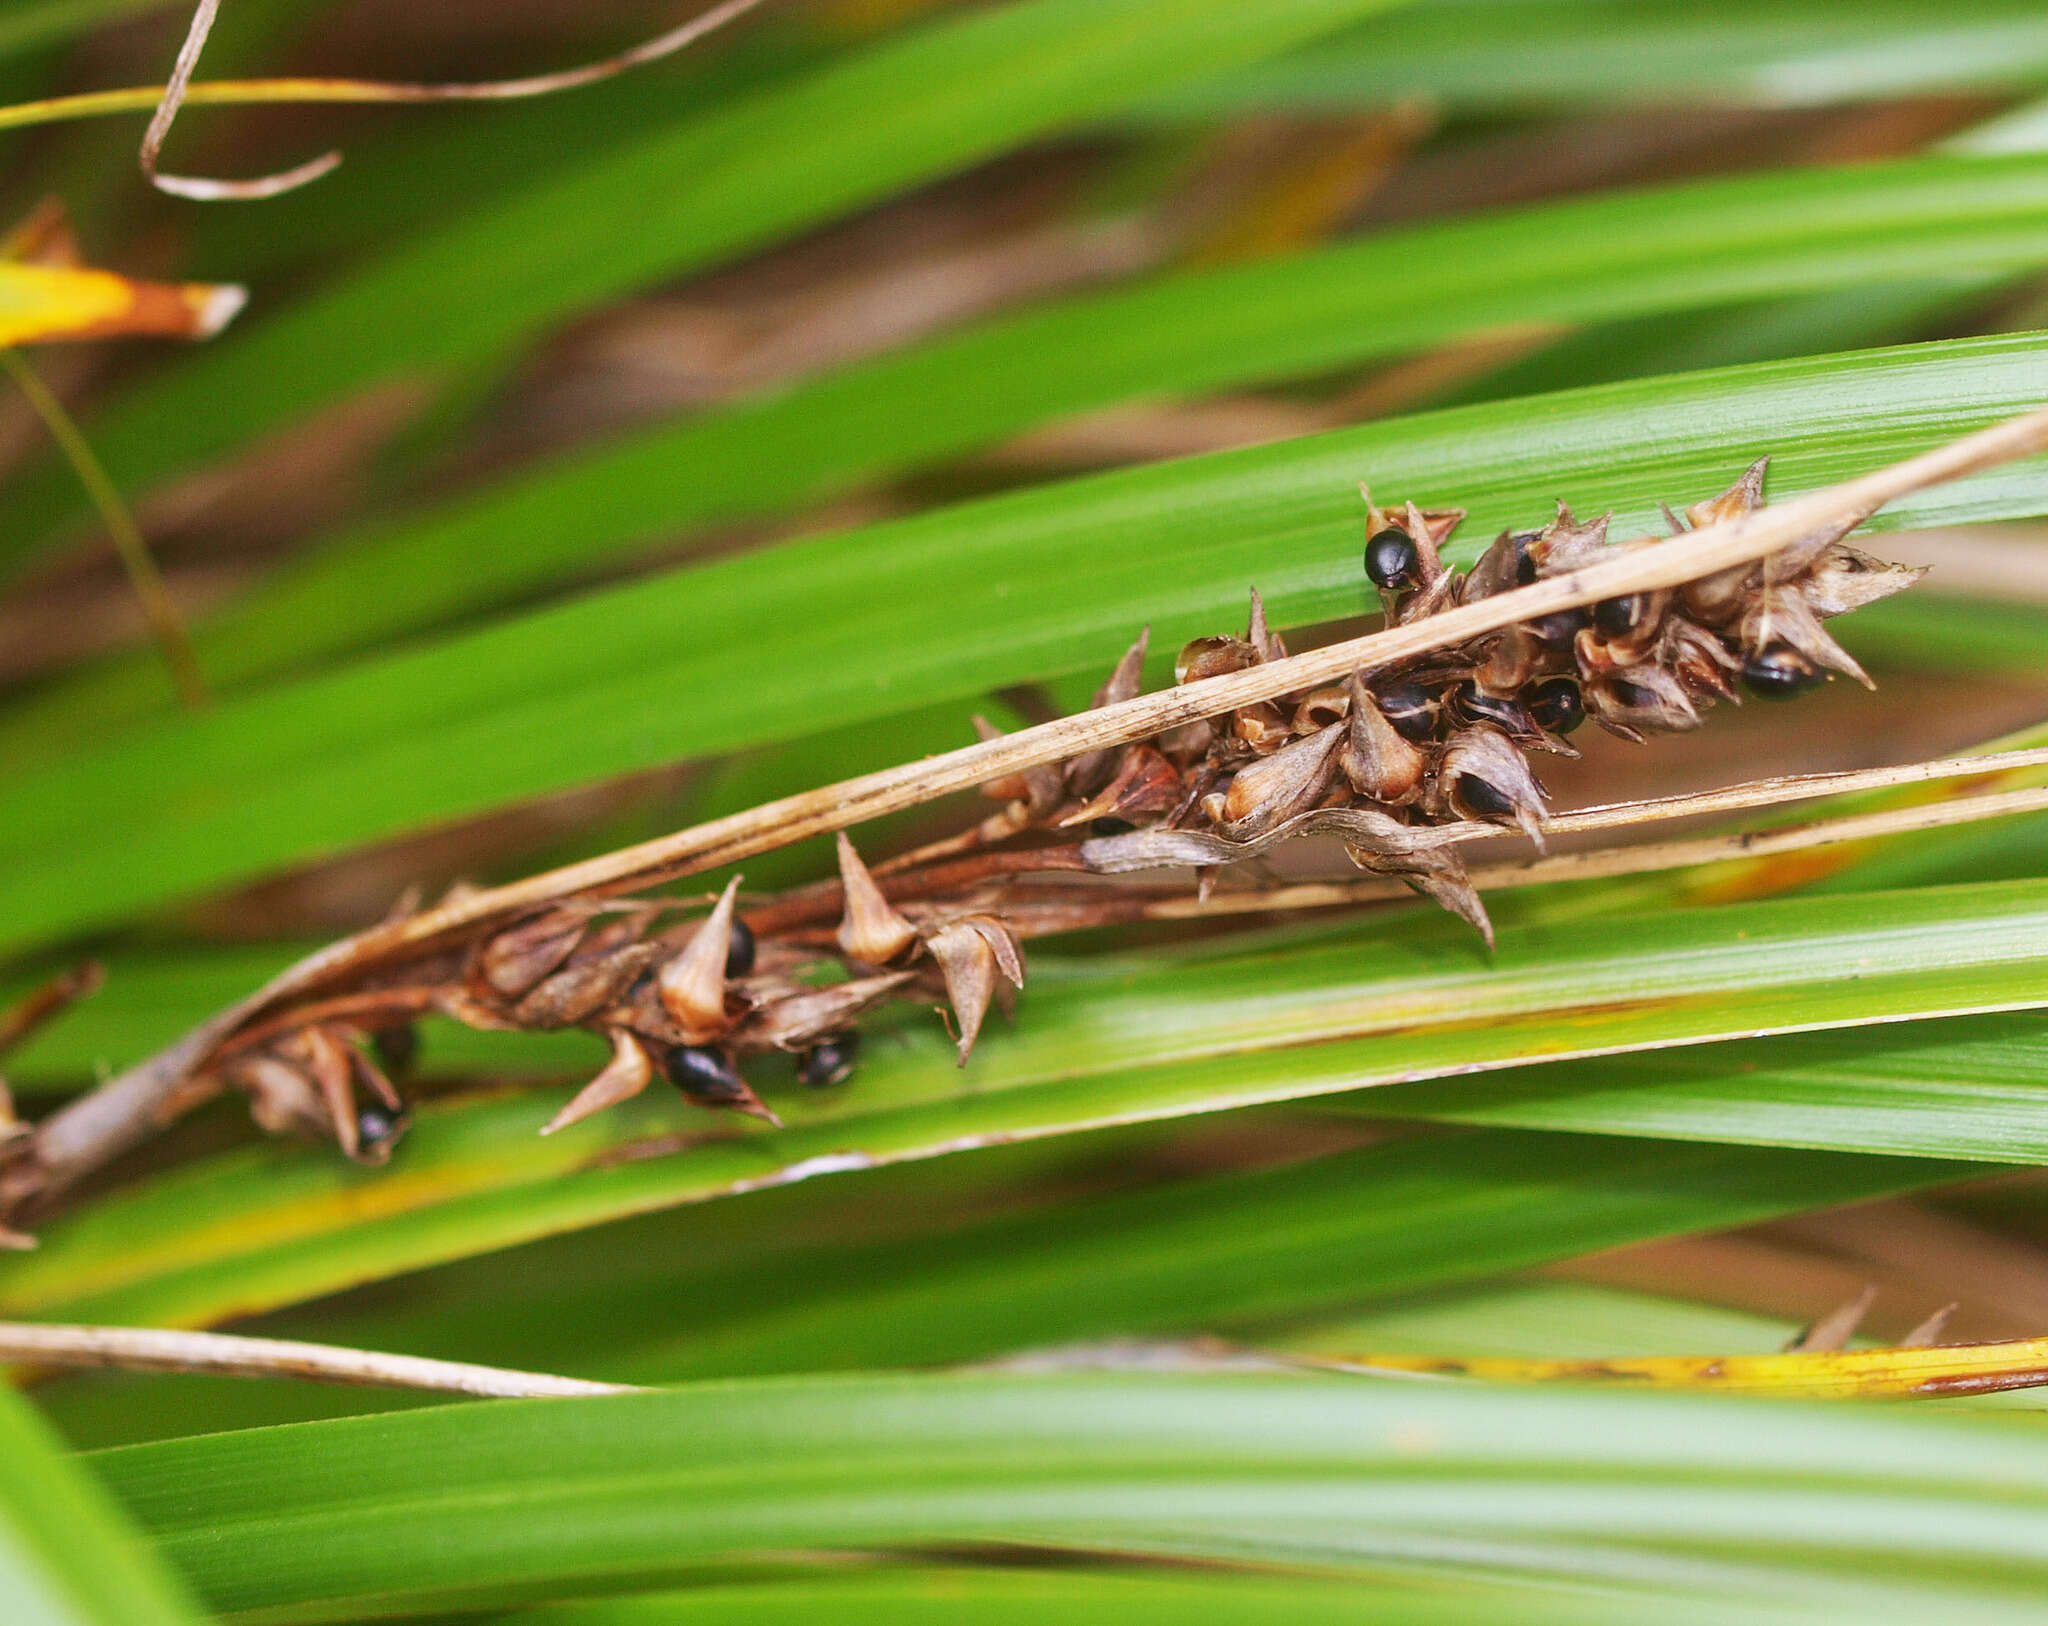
pixel 629 1072
pixel 322 1055
pixel 870 931
pixel 692 985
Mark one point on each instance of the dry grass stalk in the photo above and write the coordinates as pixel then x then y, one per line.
pixel 154 1349
pixel 180 89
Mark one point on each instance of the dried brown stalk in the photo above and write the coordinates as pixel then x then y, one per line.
pixel 552 951
pixel 154 1349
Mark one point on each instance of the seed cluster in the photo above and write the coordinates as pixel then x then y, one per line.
pixel 1388 761
pixel 1391 754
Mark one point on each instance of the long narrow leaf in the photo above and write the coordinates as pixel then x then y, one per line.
pixel 68 1556
pixel 1576 261
pixel 682 197
pixel 1754 1501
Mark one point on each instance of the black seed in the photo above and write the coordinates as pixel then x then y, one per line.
pixel 397 1047
pixel 1392 560
pixel 1479 800
pixel 1556 704
pixel 1560 627
pixel 1618 617
pixel 1525 562
pixel 378 1126
pixel 1632 695
pixel 1409 708
pixel 829 1061
pixel 704 1074
pixel 1475 705
pixel 1779 672
pixel 739 957
pixel 1110 827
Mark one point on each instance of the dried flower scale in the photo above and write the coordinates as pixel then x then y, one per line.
pixel 1397 763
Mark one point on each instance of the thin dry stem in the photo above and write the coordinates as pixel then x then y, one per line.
pixel 154 1349
pixel 170 97
pixel 123 1112
pixel 136 559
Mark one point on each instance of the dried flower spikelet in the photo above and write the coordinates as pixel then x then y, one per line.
pixel 579 991
pixel 1780 617
pixel 1039 788
pixel 971 952
pixel 1289 781
pixel 1261 637
pixel 803 1016
pixel 1202 658
pixel 1376 760
pixel 870 930
pixel 324 1058
pixel 1483 776
pixel 1145 784
pixel 692 985
pixel 516 959
pixel 1088 772
pixel 1634 700
pixel 283 1100
pixel 1845 578
pixel 629 1072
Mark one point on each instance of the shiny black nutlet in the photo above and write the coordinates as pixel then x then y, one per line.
pixel 1618 617
pixel 1409 709
pixel 739 956
pixel 1555 704
pixel 1392 560
pixel 378 1126
pixel 829 1061
pixel 1480 800
pixel 1476 705
pixel 1561 627
pixel 1779 672
pixel 703 1073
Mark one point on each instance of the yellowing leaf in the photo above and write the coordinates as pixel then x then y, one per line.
pixel 39 303
pixel 1955 1369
